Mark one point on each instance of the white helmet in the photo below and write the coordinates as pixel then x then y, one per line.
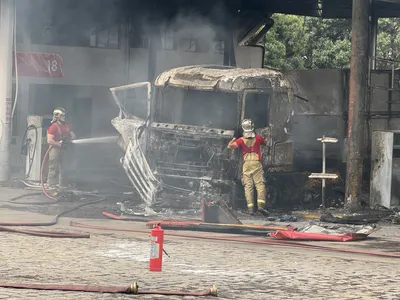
pixel 248 128
pixel 58 113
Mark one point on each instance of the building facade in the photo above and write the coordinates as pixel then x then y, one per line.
pixel 69 55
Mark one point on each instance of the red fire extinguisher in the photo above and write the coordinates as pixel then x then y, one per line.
pixel 156 248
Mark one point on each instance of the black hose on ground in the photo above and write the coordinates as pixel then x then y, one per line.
pixel 55 220
pixel 52 200
pixel 14 199
pixel 49 234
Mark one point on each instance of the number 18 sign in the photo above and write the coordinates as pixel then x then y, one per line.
pixel 38 64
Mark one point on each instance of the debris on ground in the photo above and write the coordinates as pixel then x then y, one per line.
pixel 317 227
pixel 395 218
pixel 323 232
pixel 218 212
pixel 367 217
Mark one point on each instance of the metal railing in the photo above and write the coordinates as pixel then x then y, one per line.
pixel 390 89
pixel 392 63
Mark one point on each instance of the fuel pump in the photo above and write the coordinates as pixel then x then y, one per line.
pixel 34 145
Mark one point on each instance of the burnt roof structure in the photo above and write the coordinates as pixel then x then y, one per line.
pixel 221 78
pixel 316 8
pixel 323 8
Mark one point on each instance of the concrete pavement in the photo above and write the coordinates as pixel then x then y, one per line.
pixel 240 271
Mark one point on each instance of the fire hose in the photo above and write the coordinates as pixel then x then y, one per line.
pixel 49 223
pixel 263 241
pixel 132 289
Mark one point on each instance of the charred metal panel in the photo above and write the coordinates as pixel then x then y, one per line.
pixel 323 90
pixel 379 96
pixel 378 103
pixel 283 155
pixel 249 57
pixel 395 102
pixel 188 129
pixel 194 161
pixel 179 151
pixel 381 169
pixel 321 113
pixel 126 127
pixel 307 128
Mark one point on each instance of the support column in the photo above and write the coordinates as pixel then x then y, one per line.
pixel 374 35
pixel 155 45
pixel 229 52
pixel 6 62
pixel 357 100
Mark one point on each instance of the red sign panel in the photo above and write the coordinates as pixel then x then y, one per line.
pixel 39 64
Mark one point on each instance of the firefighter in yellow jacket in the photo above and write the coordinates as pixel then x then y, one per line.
pixel 252 173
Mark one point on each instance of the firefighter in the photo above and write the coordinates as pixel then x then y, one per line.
pixel 252 172
pixel 59 135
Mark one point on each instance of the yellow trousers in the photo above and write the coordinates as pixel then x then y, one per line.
pixel 253 175
pixel 56 173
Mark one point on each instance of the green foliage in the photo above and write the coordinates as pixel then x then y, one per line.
pixel 329 43
pixel 286 42
pixel 297 42
pixel 388 46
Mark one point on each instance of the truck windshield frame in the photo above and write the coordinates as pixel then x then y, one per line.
pixel 200 108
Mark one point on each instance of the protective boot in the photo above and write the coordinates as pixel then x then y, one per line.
pixel 262 208
pixel 263 211
pixel 251 210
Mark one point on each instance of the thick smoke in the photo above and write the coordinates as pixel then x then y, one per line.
pixel 68 28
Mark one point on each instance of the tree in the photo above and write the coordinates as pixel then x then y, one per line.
pixel 388 41
pixel 304 42
pixel 329 43
pixel 286 43
pixel 297 42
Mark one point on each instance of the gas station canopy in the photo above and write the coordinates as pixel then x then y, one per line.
pixel 316 8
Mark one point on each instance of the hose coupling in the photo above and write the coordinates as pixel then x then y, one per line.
pixel 213 291
pixel 134 288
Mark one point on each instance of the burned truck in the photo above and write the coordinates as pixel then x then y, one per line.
pixel 176 151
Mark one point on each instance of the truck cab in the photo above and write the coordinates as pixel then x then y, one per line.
pixel 192 114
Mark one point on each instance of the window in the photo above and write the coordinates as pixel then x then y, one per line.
pixel 193 43
pixel 210 109
pixel 168 39
pixel 189 44
pixel 198 108
pixel 256 108
pixel 107 38
pixel 140 41
pixel 138 36
pixel 65 24
pixel 218 46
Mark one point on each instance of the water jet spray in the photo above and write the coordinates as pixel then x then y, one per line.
pixel 105 139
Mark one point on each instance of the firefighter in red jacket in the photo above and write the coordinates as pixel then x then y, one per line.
pixel 59 135
pixel 252 173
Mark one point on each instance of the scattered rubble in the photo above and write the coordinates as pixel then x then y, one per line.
pixel 323 228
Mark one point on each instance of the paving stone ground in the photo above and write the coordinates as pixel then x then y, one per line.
pixel 240 271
